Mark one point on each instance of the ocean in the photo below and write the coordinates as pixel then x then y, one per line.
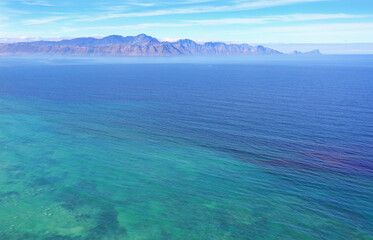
pixel 186 148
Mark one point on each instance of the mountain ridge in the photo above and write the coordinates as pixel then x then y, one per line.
pixel 140 45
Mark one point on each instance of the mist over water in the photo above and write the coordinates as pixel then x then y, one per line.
pixel 186 148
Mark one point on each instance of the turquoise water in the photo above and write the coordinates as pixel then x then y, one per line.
pixel 243 149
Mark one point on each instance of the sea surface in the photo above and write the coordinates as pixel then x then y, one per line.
pixel 253 148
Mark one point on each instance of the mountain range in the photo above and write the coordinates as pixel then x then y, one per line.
pixel 140 45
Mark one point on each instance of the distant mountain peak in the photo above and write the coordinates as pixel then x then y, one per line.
pixel 143 35
pixel 187 41
pixel 113 37
pixel 139 45
pixel 313 52
pixel 145 38
pixel 316 51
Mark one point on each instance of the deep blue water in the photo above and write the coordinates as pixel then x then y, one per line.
pixel 240 148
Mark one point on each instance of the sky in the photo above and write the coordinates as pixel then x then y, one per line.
pixel 238 21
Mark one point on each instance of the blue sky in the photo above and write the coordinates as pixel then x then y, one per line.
pixel 250 21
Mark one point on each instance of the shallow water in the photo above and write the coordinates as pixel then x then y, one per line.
pixel 273 148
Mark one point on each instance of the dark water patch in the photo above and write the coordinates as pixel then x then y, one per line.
pixel 107 225
pixel 341 161
pixel 83 217
pixel 14 168
pixel 35 236
pixel 308 163
pixel 311 161
pixel 10 182
pixel 58 237
pixel 71 200
pixel 86 186
pixel 16 236
pixel 40 182
pixel 257 229
pixel 48 162
pixel 15 171
pixel 166 234
pixel 16 175
pixel 47 181
pixel 9 194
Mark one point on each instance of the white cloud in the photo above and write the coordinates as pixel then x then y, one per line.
pixel 241 21
pixel 26 39
pixel 270 3
pixel 193 2
pixel 37 2
pixel 126 27
pixel 276 18
pixel 141 4
pixel 7 11
pixel 316 33
pixel 203 9
pixel 42 20
pixel 325 27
